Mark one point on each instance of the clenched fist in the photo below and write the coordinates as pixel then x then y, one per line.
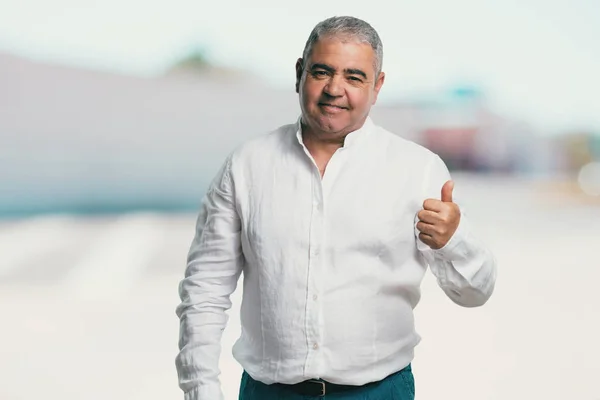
pixel 438 220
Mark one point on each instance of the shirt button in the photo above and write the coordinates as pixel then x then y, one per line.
pixel 314 252
pixel 315 346
pixel 315 297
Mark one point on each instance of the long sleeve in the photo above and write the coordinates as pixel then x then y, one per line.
pixel 214 265
pixel 464 268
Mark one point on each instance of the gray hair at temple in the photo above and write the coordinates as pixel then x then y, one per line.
pixel 347 28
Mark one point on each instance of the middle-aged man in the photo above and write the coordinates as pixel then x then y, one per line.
pixel 333 222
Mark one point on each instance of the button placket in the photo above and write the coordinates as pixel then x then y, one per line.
pixel 316 258
pixel 313 312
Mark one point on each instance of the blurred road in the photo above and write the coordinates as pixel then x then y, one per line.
pixel 87 305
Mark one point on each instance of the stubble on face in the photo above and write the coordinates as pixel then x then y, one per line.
pixel 337 87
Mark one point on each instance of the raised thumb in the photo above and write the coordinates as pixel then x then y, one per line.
pixel 447 191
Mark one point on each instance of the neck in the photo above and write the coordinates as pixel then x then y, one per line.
pixel 318 145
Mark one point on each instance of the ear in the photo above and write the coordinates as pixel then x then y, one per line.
pixel 378 84
pixel 299 71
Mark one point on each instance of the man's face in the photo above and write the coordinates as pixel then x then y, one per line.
pixel 337 87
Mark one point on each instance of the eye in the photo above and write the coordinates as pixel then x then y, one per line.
pixel 355 79
pixel 320 73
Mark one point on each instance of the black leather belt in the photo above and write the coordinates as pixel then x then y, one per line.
pixel 319 388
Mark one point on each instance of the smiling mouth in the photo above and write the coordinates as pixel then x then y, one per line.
pixel 332 106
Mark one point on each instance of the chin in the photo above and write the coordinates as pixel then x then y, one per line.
pixel 331 125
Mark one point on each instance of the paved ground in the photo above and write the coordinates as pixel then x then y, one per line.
pixel 87 305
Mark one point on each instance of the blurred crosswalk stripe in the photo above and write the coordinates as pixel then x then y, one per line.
pixel 27 239
pixel 110 268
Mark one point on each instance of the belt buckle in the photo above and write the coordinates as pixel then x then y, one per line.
pixel 322 386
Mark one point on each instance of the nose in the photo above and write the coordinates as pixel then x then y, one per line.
pixel 334 87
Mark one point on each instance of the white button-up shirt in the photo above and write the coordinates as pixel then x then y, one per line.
pixel 332 265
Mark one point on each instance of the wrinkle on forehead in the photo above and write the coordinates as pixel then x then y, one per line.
pixel 345 38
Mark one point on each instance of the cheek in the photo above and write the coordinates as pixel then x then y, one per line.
pixel 305 90
pixel 311 95
pixel 359 100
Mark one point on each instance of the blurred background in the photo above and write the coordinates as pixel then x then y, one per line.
pixel 115 115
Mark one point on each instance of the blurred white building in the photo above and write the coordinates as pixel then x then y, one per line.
pixel 87 141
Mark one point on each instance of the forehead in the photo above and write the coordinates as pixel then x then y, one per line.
pixel 343 53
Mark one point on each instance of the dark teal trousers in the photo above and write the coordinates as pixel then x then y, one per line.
pixel 398 386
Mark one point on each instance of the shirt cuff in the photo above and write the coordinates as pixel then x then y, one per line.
pixel 455 249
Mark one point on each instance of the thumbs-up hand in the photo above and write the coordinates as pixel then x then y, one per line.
pixel 438 220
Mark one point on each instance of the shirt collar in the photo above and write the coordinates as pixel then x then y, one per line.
pixel 351 139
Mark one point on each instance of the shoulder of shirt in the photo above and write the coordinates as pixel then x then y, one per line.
pixel 257 145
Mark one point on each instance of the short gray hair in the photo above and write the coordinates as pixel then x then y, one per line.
pixel 347 27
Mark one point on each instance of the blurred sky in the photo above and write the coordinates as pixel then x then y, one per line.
pixel 536 60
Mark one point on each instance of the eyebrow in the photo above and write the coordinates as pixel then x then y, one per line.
pixel 349 71
pixel 354 71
